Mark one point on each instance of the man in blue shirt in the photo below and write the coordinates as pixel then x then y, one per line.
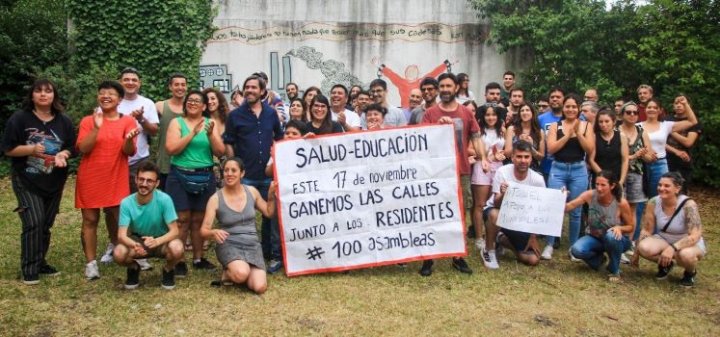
pixel 148 228
pixel 557 95
pixel 250 131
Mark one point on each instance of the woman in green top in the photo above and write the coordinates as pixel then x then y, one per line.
pixel 191 141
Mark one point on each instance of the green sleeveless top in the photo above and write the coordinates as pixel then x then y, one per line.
pixel 163 158
pixel 198 153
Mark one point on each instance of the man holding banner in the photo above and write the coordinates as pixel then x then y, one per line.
pixel 523 244
pixel 449 111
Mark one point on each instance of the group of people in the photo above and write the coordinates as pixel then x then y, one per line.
pixel 213 165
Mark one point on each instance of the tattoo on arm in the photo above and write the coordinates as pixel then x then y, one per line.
pixel 692 217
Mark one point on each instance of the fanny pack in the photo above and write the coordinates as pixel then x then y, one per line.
pixel 194 181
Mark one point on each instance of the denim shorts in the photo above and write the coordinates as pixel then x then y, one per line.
pixel 184 201
pixel 634 188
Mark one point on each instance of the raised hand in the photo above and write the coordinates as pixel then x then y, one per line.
pixel 132 134
pixel 98 118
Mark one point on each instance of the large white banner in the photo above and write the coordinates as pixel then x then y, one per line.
pixel 532 209
pixel 371 198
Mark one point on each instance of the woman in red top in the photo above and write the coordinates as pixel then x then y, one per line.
pixel 105 139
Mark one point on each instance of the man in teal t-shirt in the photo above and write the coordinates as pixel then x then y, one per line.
pixel 148 228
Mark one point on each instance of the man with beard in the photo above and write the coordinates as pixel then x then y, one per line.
pixel 517 98
pixel 346 118
pixel 291 90
pixel 492 98
pixel 250 132
pixel 508 85
pixel 361 102
pixel 394 116
pixel 148 228
pixel 467 130
pixel 429 90
pixel 524 245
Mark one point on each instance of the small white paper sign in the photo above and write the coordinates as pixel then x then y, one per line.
pixel 532 209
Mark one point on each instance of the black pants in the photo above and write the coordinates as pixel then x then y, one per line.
pixel 37 215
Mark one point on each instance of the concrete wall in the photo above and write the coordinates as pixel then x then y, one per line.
pixel 320 43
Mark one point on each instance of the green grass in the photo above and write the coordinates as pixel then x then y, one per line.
pixel 556 298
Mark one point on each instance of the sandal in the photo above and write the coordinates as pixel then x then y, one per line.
pixel 614 278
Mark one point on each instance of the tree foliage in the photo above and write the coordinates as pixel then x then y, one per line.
pixel 157 38
pixel 32 36
pixel 576 44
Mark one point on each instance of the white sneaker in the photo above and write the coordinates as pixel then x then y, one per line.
pixel 144 264
pixel 108 257
pixel 91 271
pixel 547 253
pixel 489 259
pixel 624 259
pixel 573 258
pixel 480 244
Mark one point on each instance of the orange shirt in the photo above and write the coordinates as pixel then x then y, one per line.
pixel 102 178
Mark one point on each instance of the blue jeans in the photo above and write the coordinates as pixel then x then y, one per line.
pixel 574 177
pixel 269 230
pixel 591 249
pixel 656 170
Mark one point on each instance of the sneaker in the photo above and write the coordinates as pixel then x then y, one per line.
pixel 624 259
pixel 144 264
pixel 664 271
pixel 168 279
pixel 107 256
pixel 688 280
pixel 489 259
pixel 426 269
pixel 480 244
pixel 547 253
pixel 133 277
pixel 572 257
pixel 48 270
pixel 91 271
pixel 203 264
pixel 462 266
pixel 274 266
pixel 181 270
pixel 31 280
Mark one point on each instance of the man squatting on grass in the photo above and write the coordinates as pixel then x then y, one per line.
pixel 148 228
pixel 524 245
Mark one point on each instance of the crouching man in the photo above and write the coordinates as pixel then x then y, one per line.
pixel 524 245
pixel 148 228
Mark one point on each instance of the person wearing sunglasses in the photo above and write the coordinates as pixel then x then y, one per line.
pixel 639 151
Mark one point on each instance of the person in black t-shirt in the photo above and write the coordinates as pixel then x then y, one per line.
pixel 39 139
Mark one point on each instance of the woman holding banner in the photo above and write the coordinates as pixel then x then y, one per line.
pixel 238 248
pixel 610 222
pixel 569 141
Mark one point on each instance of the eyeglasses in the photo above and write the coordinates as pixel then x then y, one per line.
pixel 631 112
pixel 428 89
pixel 319 106
pixel 194 101
pixel 146 181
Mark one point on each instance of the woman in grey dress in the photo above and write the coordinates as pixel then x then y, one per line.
pixel 238 248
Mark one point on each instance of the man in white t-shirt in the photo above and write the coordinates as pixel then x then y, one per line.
pixel 143 110
pixel 524 245
pixel 349 120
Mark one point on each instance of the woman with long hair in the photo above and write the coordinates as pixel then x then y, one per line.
pixel 639 150
pixel 218 108
pixel 297 110
pixel 308 97
pixel 527 128
pixel 658 132
pixel 106 139
pixel 321 122
pixel 39 139
pixel 610 222
pixel 570 140
pixel 464 94
pixel 493 136
pixel 192 140
pixel 679 144
pixel 611 148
